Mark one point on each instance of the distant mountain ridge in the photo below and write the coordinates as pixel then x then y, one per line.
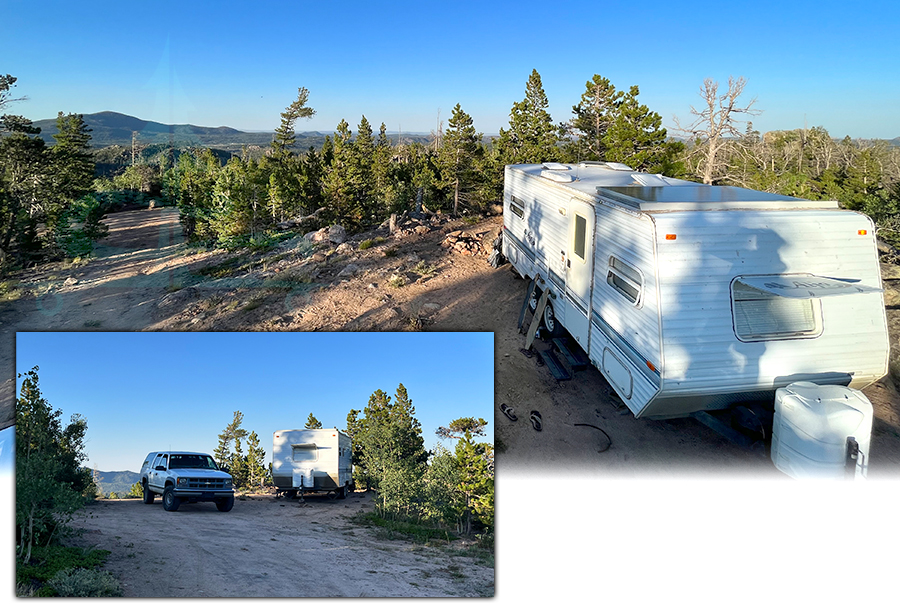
pixel 118 482
pixel 111 128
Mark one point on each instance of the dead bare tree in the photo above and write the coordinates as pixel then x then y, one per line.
pixel 716 122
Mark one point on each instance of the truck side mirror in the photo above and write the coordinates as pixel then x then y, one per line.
pixel 160 468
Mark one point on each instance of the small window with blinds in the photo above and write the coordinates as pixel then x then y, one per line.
pixel 761 316
pixel 626 279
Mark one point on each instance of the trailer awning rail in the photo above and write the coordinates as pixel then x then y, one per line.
pixel 805 286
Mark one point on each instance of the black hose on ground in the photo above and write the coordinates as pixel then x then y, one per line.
pixel 601 431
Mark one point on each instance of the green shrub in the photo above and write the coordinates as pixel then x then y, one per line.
pixel 82 583
pixel 47 561
pixel 365 244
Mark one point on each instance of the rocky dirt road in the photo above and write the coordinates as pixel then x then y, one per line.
pixel 270 547
pixel 114 291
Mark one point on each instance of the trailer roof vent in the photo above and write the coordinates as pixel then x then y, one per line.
pixel 646 179
pixel 555 166
pixel 557 176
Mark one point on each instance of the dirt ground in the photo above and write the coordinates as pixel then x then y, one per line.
pixel 144 278
pixel 271 547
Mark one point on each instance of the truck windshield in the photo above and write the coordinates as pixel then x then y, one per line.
pixel 192 461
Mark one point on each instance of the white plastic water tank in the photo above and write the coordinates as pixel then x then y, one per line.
pixel 811 429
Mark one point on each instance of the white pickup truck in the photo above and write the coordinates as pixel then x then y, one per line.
pixel 178 476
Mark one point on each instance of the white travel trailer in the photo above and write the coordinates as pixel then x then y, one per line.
pixel 691 297
pixel 305 460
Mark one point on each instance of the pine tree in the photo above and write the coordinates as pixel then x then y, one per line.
pixel 476 482
pixel 474 470
pixel 393 452
pixel 594 114
pixel 256 457
pixel 24 182
pixel 635 136
pixel 354 430
pixel 313 423
pixel 531 137
pixel 284 186
pixel 285 135
pixel 232 433
pixel 337 187
pixel 72 158
pixel 458 156
pixel 360 175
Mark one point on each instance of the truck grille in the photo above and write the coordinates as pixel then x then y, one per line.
pixel 206 483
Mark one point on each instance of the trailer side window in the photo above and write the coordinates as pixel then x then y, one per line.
pixel 625 278
pixel 517 206
pixel 759 315
pixel 304 452
pixel 580 233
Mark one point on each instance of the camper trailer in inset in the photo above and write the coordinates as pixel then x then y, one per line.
pixel 306 460
pixel 690 297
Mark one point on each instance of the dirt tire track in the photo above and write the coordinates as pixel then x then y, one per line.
pixel 267 547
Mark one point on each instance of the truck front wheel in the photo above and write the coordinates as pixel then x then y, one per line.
pixel 148 495
pixel 225 504
pixel 171 502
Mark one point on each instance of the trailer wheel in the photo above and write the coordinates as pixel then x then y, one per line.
pixel 148 495
pixel 552 327
pixel 225 504
pixel 171 502
pixel 533 299
pixel 342 492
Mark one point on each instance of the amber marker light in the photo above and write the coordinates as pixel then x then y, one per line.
pixel 862 232
pixel 671 236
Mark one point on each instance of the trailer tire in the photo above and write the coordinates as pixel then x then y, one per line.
pixel 171 502
pixel 533 299
pixel 551 325
pixel 148 495
pixel 342 492
pixel 225 504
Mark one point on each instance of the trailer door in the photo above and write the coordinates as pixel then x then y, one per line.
pixel 579 266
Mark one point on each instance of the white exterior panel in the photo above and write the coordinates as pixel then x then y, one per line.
pixel 703 355
pixel 331 468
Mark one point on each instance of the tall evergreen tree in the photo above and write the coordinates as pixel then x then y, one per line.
pixel 313 423
pixel 393 451
pixel 285 135
pixel 24 182
pixel 532 136
pixel 594 115
pixel 635 136
pixel 457 156
pixel 233 432
pixel 474 470
pixel 71 158
pixel 337 187
pixel 284 189
pixel 256 461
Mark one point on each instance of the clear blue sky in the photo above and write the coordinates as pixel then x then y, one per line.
pixel 822 63
pixel 149 391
